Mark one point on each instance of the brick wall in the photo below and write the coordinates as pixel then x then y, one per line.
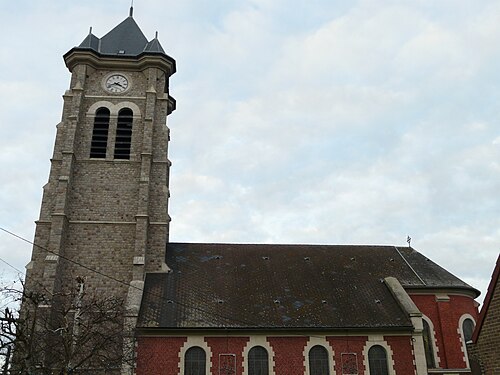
pixel 445 313
pixel 226 345
pixel 162 355
pixel 403 352
pixel 158 356
pixel 288 355
pixel 348 345
pixel 486 347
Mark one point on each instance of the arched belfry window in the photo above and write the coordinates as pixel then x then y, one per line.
pixel 258 361
pixel 428 345
pixel 195 361
pixel 100 134
pixel 318 361
pixel 377 360
pixel 123 134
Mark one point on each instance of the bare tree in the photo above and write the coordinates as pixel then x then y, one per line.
pixel 68 333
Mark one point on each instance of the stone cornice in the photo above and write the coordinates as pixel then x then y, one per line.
pixel 96 60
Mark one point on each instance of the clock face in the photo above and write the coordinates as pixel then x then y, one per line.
pixel 116 83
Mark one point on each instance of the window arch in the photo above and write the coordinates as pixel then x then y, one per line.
pixel 318 361
pixel 195 361
pixel 123 133
pixel 99 142
pixel 428 345
pixel 468 329
pixel 258 361
pixel 466 326
pixel 377 360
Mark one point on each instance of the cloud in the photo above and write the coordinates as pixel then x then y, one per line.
pixel 322 122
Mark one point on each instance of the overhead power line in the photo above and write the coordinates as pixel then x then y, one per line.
pixel 227 318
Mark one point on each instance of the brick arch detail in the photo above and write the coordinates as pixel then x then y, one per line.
pixel 378 340
pixel 321 341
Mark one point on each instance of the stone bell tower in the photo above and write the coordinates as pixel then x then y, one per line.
pixel 105 207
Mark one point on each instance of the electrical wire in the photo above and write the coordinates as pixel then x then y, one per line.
pixel 249 324
pixel 227 318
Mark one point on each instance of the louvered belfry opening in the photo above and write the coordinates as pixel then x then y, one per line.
pixel 100 134
pixel 123 134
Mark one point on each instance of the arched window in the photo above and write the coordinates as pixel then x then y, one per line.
pixel 377 360
pixel 468 329
pixel 318 361
pixel 100 134
pixel 195 361
pixel 428 346
pixel 123 134
pixel 258 361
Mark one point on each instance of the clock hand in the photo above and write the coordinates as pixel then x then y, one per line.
pixel 109 85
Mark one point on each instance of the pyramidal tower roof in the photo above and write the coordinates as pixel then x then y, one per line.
pixel 125 39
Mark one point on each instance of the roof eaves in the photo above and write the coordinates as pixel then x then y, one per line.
pixel 296 330
pixel 467 289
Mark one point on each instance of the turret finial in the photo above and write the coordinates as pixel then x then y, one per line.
pixel 156 35
pixel 131 14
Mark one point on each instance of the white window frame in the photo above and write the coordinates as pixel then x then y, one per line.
pixel 435 348
pixel 374 340
pixel 193 341
pixel 321 341
pixel 258 341
pixel 462 336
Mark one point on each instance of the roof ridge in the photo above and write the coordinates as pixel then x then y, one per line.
pixel 409 265
pixel 281 244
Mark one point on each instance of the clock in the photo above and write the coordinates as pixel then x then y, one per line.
pixel 116 83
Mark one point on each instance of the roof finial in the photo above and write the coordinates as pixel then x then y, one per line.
pixel 90 31
pixel 131 14
pixel 156 35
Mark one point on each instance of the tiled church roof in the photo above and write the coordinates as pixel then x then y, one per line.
pixel 286 286
pixel 124 40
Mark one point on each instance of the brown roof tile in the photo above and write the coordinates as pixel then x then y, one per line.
pixel 285 286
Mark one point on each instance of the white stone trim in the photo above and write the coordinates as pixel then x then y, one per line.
pixel 107 97
pixel 378 340
pixel 258 341
pixel 435 348
pixel 321 341
pixel 195 341
pixel 114 108
pixel 101 103
pixel 460 332
pixel 126 104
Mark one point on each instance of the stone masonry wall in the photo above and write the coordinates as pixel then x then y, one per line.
pixel 106 214
pixel 104 191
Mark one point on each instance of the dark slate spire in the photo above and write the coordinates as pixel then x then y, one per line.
pixel 154 45
pixel 91 41
pixel 125 39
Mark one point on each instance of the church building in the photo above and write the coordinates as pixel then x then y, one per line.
pixel 209 308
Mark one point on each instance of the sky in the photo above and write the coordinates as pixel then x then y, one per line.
pixel 318 122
